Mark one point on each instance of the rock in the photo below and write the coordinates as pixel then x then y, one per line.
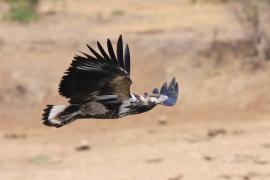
pixel 84 146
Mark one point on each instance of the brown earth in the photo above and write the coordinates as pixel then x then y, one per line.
pixel 219 129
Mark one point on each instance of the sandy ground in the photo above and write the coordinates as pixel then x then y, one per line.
pixel 219 130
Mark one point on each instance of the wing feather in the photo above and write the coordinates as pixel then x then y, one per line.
pixel 89 77
pixel 127 59
pixel 103 52
pixel 167 95
pixel 120 52
pixel 95 53
pixel 111 52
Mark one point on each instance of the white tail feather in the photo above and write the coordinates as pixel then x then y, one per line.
pixel 60 115
pixel 56 110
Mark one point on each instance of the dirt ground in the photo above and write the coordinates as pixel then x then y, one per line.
pixel 218 130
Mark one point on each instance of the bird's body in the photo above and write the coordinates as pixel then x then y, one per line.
pixel 99 87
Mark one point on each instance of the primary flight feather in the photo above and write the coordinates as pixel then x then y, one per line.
pixel 98 86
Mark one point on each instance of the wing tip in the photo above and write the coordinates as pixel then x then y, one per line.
pixel 155 91
pixel 120 52
pixel 127 59
pixel 170 91
pixel 120 38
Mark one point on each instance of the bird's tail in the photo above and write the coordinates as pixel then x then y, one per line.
pixel 60 115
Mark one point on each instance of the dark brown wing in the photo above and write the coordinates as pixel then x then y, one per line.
pixel 98 76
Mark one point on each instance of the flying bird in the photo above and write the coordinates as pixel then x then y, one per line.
pixel 98 86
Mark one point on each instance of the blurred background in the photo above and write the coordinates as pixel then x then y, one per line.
pixel 218 50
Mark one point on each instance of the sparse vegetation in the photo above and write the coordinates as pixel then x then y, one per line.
pixel 221 51
pixel 23 11
pixel 118 12
pixel 40 159
pixel 254 17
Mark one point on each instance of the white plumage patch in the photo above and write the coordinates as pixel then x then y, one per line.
pixel 125 105
pixel 104 97
pixel 133 98
pixel 162 98
pixel 54 112
pixel 153 99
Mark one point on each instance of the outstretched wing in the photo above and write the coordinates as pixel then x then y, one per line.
pixel 102 76
pixel 167 95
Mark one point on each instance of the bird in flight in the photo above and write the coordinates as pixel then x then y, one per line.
pixel 98 86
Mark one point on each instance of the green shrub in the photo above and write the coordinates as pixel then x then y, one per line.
pixel 118 12
pixel 23 11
